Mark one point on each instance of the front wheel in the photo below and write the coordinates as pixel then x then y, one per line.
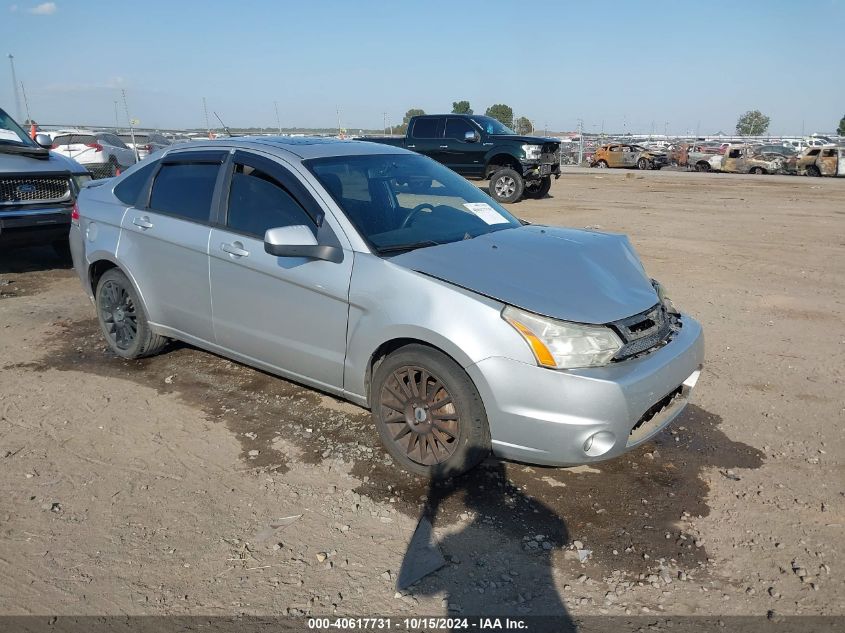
pixel 538 188
pixel 757 171
pixel 602 164
pixel 814 171
pixel 123 319
pixel 428 413
pixel 506 185
pixel 644 164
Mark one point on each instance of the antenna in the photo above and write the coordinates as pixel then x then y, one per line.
pixel 225 129
pixel 278 123
pixel 15 87
pixel 26 103
pixel 131 128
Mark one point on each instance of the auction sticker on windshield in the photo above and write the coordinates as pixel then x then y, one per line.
pixel 486 212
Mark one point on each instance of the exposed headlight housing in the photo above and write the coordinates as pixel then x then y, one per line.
pixel 532 152
pixel 665 301
pixel 563 345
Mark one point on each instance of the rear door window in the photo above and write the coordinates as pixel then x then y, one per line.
pixel 74 139
pixel 185 190
pixel 427 127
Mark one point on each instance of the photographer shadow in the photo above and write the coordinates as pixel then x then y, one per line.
pixel 498 544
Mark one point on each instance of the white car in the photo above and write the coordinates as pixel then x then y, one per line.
pixel 145 142
pixel 102 153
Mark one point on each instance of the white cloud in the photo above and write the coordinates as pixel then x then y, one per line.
pixel 45 8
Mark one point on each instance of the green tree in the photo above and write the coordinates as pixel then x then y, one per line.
pixel 523 126
pixel 461 107
pixel 501 112
pixel 752 123
pixel 841 129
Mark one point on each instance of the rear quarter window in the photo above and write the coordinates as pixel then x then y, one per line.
pixel 129 189
pixel 185 190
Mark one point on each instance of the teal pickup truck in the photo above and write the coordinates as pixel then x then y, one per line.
pixel 481 147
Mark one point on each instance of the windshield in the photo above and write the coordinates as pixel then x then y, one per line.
pixel 11 132
pixel 400 202
pixel 492 126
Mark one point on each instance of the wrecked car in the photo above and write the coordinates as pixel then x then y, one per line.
pixel 822 161
pixel 380 276
pixel 744 159
pixel 704 158
pixel 626 155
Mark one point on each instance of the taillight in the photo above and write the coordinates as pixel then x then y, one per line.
pixel 95 146
pixel 149 148
pixel 74 215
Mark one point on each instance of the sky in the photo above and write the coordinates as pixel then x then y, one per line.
pixel 637 66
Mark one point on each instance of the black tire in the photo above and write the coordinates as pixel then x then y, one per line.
pixel 602 164
pixel 813 171
pixel 506 186
pixel 123 318
pixel 702 166
pixel 423 442
pixel 757 171
pixel 643 164
pixel 537 189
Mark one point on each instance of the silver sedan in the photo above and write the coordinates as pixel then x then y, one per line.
pixel 378 275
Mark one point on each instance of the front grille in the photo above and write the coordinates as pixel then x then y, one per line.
pixel 645 331
pixel 34 189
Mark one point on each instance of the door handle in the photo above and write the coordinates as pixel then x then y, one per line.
pixel 444 147
pixel 143 222
pixel 236 249
pixel 411 146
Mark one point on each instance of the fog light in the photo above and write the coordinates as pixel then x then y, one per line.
pixel 599 443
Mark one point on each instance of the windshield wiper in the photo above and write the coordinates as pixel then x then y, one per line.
pixel 406 247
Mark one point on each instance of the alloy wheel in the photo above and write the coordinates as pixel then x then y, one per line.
pixel 505 186
pixel 420 416
pixel 119 315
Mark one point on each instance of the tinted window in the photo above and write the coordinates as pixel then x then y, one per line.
pixel 457 128
pixel 257 202
pixel 185 190
pixel 426 128
pixel 73 139
pixel 829 152
pixel 128 189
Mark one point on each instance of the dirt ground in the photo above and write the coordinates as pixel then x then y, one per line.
pixel 189 484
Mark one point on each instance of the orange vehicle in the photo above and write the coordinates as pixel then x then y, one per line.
pixel 626 155
pixel 822 161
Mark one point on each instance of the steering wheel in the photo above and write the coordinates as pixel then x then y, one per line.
pixel 414 213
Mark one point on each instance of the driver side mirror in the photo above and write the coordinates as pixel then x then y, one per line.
pixel 44 140
pixel 299 241
pixel 471 136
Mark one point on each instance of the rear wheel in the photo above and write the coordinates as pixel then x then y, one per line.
pixel 538 188
pixel 602 164
pixel 506 185
pixel 644 164
pixel 757 171
pixel 702 166
pixel 123 319
pixel 814 171
pixel 428 413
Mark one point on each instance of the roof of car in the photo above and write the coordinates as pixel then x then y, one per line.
pixel 304 147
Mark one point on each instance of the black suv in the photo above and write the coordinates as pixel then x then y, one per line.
pixel 481 147
pixel 37 188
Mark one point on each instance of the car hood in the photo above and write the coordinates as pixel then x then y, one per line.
pixel 54 162
pixel 566 274
pixel 528 140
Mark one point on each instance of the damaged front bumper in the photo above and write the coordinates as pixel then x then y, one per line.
pixel 536 170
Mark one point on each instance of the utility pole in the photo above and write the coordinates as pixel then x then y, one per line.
pixel 339 128
pixel 116 120
pixel 666 130
pixel 26 103
pixel 15 88
pixel 278 122
pixel 205 110
pixel 131 127
pixel 580 141
pixel 385 122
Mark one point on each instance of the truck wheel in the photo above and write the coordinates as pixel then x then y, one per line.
pixel 702 166
pixel 644 164
pixel 506 186
pixel 428 413
pixel 814 171
pixel 538 188
pixel 757 171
